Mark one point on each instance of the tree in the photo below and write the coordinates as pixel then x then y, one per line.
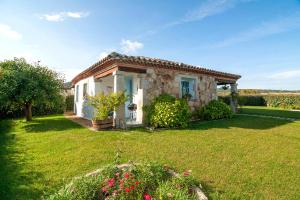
pixel 25 85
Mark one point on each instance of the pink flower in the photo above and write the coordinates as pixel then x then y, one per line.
pixel 126 175
pixel 117 174
pixel 147 197
pixel 127 190
pixel 115 193
pixel 104 189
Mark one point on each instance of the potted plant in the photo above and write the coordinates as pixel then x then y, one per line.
pixel 187 96
pixel 104 105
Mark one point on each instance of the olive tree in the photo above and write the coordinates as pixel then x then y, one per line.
pixel 24 85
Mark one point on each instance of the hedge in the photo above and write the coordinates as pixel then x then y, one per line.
pixel 278 101
pixel 70 103
pixel 56 107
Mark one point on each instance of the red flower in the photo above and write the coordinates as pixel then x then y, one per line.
pixel 147 197
pixel 132 187
pixel 127 190
pixel 126 175
pixel 137 182
pixel 111 182
pixel 186 173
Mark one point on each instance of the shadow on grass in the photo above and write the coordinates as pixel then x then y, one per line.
pixel 15 182
pixel 50 124
pixel 209 190
pixel 245 122
pixel 270 112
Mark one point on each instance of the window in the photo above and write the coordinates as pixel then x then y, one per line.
pixel 77 92
pixel 85 90
pixel 188 87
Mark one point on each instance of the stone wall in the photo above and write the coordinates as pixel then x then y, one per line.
pixel 158 81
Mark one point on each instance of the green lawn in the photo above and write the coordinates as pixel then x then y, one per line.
pixel 261 110
pixel 241 158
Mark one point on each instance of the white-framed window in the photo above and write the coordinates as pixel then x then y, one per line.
pixel 77 93
pixel 188 87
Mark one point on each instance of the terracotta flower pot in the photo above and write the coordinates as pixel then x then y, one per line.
pixel 102 124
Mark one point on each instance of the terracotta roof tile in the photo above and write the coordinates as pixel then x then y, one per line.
pixel 114 56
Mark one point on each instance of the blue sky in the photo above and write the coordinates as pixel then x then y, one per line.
pixel 258 39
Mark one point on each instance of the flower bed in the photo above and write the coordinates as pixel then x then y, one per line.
pixel 132 181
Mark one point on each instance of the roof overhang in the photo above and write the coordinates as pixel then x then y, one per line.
pixel 138 64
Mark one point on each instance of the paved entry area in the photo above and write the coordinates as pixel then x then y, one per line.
pixel 79 120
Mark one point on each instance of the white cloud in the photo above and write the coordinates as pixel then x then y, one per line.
pixel 128 46
pixel 264 30
pixel 53 17
pixel 61 16
pixel 286 75
pixel 77 14
pixel 8 32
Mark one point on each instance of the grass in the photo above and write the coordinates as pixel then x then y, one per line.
pixel 241 158
pixel 269 111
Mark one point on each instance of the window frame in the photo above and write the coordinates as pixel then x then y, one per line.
pixel 189 80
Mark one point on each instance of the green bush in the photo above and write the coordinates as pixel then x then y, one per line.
pixel 225 99
pixel 214 110
pixel 135 181
pixel 167 111
pixel 70 103
pixel 251 100
pixel 245 100
pixel 104 104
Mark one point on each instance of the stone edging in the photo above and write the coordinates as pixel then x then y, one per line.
pixel 197 190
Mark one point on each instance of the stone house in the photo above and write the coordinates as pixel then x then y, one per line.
pixel 143 79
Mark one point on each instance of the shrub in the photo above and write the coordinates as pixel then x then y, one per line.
pixel 167 111
pixel 225 99
pixel 104 104
pixel 214 110
pixel 70 103
pixel 251 101
pixel 245 100
pixel 135 181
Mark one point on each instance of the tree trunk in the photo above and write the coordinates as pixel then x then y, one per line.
pixel 28 113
